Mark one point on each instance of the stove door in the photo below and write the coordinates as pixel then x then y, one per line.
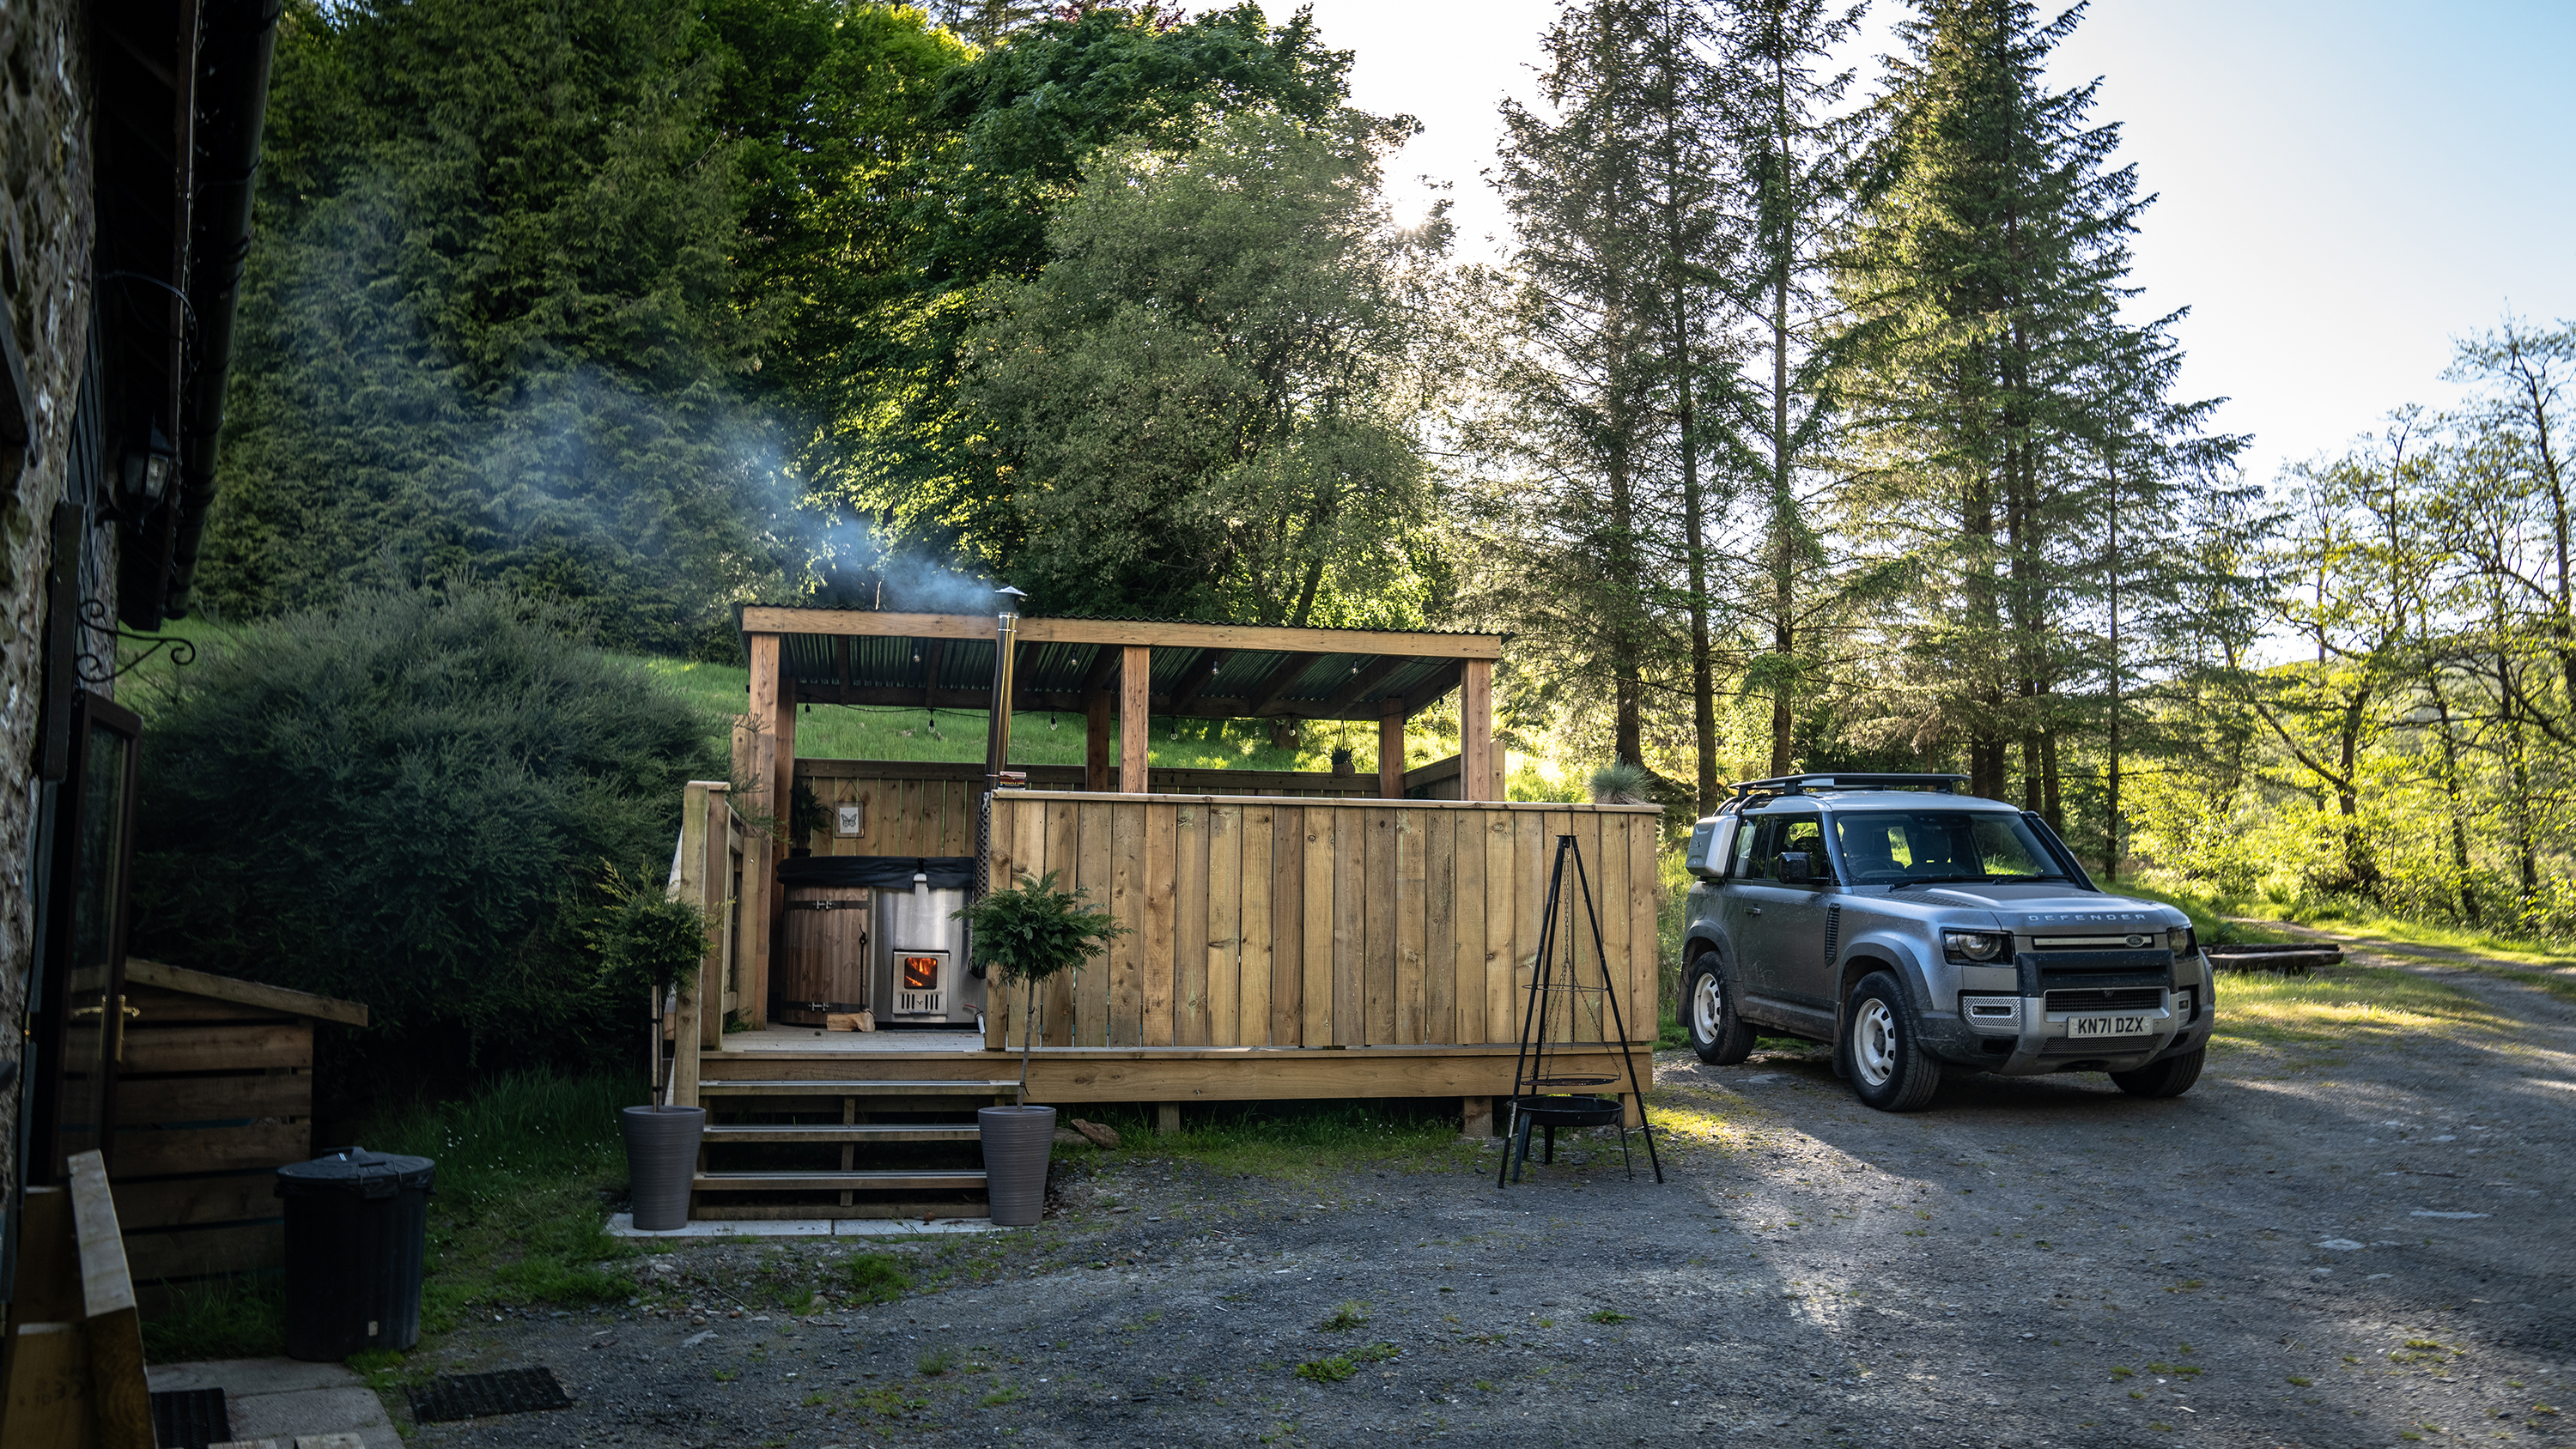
pixel 921 983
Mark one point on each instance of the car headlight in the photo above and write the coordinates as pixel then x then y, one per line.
pixel 1976 945
pixel 2186 942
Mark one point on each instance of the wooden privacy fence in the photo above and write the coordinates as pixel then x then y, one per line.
pixel 1281 923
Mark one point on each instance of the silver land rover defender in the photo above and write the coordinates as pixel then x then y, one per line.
pixel 1921 931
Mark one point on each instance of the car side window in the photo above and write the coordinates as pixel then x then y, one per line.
pixel 1805 833
pixel 1742 863
pixel 1758 853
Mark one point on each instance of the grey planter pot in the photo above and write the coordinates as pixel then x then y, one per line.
pixel 1017 1142
pixel 661 1161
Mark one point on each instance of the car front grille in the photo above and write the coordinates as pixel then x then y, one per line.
pixel 2145 998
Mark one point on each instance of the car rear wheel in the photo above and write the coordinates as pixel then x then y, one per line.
pixel 2168 1078
pixel 1721 1037
pixel 1883 1051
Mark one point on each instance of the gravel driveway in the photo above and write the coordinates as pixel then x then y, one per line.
pixel 2359 1252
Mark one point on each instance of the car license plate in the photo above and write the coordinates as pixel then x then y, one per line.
pixel 2107 1024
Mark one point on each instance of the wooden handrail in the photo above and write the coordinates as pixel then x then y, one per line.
pixel 1196 781
pixel 75 1346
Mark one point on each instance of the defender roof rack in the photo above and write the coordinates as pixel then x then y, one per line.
pixel 1803 784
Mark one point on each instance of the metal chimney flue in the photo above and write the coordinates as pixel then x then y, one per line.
pixel 998 774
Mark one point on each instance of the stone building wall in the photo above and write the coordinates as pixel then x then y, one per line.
pixel 46 225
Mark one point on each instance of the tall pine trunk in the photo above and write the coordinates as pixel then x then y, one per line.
pixel 1784 534
pixel 1627 673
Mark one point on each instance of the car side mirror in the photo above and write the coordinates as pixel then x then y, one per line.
pixel 1792 866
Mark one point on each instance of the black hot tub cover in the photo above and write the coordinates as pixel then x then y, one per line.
pixel 890 872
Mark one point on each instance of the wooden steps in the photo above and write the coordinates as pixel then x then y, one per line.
pixel 750 1165
pixel 847 1132
pixel 859 1179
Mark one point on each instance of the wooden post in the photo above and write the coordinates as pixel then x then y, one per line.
pixel 782 788
pixel 715 878
pixel 771 797
pixel 1001 1012
pixel 1390 749
pixel 1097 706
pixel 1480 769
pixel 782 778
pixel 1167 1118
pixel 1475 1116
pixel 691 885
pixel 1135 701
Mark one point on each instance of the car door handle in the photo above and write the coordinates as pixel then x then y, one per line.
pixel 1753 910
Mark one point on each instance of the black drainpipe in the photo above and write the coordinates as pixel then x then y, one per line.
pixel 232 107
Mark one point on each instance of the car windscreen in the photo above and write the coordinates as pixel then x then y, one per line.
pixel 1891 847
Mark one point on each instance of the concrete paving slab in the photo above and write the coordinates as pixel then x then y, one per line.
pixel 241 1376
pixel 901 1227
pixel 286 1400
pixel 622 1225
pixel 309 1412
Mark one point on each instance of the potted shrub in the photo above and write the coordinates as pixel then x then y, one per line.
pixel 649 943
pixel 1026 936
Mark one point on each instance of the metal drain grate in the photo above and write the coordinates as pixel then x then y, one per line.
pixel 190 1418
pixel 480 1396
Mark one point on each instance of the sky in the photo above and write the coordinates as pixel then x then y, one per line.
pixel 2345 186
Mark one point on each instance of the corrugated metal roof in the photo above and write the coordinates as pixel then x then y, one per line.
pixel 1164 619
pixel 1248 624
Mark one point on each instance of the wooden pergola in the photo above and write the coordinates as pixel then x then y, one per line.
pixel 1121 669
pixel 1124 669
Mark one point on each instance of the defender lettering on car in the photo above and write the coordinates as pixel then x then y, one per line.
pixel 1923 932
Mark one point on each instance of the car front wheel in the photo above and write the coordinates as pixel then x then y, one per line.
pixel 1883 1050
pixel 1717 1033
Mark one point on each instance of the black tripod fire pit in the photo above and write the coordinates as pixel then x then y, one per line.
pixel 1558 1002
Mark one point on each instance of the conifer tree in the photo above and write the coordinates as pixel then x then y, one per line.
pixel 1799 167
pixel 489 322
pixel 1994 374
pixel 1616 191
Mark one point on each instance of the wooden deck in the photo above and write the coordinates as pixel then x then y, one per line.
pixel 1279 948
pixel 1060 1076
pixel 1292 936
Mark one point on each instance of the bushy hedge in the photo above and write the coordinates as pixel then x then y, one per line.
pixel 412 800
